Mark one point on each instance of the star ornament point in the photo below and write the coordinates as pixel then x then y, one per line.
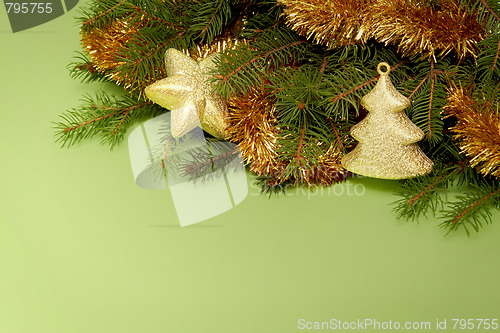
pixel 188 92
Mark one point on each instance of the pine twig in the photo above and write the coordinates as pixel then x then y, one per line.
pixel 342 95
pixel 413 200
pixel 265 55
pixel 466 211
pixel 429 114
pixel 301 142
pixel 490 10
pixel 418 87
pixel 496 57
pixel 92 19
pixel 341 146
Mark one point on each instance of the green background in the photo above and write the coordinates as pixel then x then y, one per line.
pixel 83 249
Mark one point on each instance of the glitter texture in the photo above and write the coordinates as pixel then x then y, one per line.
pixel 188 92
pixel 387 138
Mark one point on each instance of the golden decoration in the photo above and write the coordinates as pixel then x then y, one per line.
pixel 387 138
pixel 332 22
pixel 103 45
pixel 415 26
pixel 188 92
pixel 477 130
pixel 253 125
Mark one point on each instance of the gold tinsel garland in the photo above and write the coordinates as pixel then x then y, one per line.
pixel 477 130
pixel 415 26
pixel 103 46
pixel 253 120
pixel 331 23
pixel 418 28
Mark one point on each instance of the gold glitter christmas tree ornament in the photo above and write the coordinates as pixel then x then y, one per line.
pixel 188 92
pixel 387 138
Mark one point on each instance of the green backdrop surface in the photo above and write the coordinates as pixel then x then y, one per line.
pixel 83 249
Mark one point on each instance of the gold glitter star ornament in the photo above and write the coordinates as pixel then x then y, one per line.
pixel 387 138
pixel 188 92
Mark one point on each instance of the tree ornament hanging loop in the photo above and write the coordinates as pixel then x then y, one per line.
pixel 387 68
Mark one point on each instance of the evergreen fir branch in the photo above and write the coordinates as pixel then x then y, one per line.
pixel 269 49
pixel 347 86
pixel 488 60
pixel 488 14
pixel 299 94
pixel 467 176
pixel 445 152
pixel 418 87
pixel 472 209
pixel 152 13
pixel 428 96
pixel 100 14
pixel 159 166
pixel 84 70
pixel 220 159
pixel 143 57
pixel 300 157
pixel 322 68
pixel 425 194
pixel 362 85
pixel 340 146
pixel 296 155
pixel 490 9
pixel 244 68
pixel 210 20
pixel 104 116
pixel 495 60
pixel 186 159
pixel 421 194
pixel 197 164
pixel 152 27
pixel 432 78
pixel 465 74
pixel 257 57
pixel 173 16
pixel 266 17
pixel 341 136
pixel 448 155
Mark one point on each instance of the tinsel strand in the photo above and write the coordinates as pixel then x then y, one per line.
pixel 477 130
